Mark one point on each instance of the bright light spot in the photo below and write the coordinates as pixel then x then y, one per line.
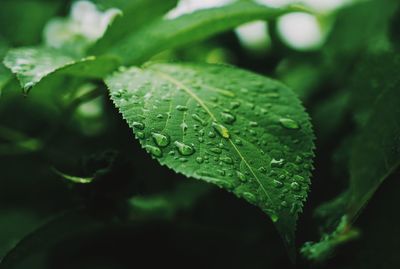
pixel 277 3
pixel 189 6
pixel 254 35
pixel 85 21
pixel 301 31
pixel 91 22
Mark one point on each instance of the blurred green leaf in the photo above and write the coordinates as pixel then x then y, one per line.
pixel 31 65
pixel 376 152
pixel 172 33
pixel 22 21
pixel 135 14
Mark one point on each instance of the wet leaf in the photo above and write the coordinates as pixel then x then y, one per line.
pixel 261 152
pixel 31 65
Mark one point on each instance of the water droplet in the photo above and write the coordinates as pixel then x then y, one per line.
pixel 182 160
pixel 289 123
pixel 138 125
pixel 221 130
pixel 221 172
pixel 199 160
pixel 274 217
pixel 276 163
pixel 160 139
pixel 277 183
pixel 298 178
pixel 184 127
pixel 262 169
pixel 155 151
pixel 250 197
pixel 160 116
pixel 238 142
pixel 140 135
pixel 184 149
pixel 226 159
pixel 181 108
pixel 295 186
pixel 216 150
pixel 228 118
pixel 199 119
pixel 211 134
pixel 241 176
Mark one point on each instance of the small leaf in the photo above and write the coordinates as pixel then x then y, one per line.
pixel 250 152
pixel 31 65
pixel 168 34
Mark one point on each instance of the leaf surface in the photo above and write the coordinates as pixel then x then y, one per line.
pixel 166 34
pixel 243 132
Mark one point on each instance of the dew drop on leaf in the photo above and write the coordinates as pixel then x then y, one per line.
pixel 216 150
pixel 155 151
pixel 228 118
pixel 181 108
pixel 250 197
pixel 289 123
pixel 138 125
pixel 277 183
pixel 197 118
pixel 140 135
pixel 221 130
pixel 227 159
pixel 211 134
pixel 184 149
pixel 199 160
pixel 295 186
pixel 160 139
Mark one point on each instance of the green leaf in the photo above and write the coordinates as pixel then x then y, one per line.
pixel 376 152
pixel 172 33
pixel 135 14
pixel 243 132
pixel 31 65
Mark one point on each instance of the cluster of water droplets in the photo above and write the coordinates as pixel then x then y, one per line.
pixel 238 121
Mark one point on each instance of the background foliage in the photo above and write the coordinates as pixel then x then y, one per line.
pixel 77 190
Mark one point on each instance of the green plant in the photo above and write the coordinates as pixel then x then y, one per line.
pixel 241 131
